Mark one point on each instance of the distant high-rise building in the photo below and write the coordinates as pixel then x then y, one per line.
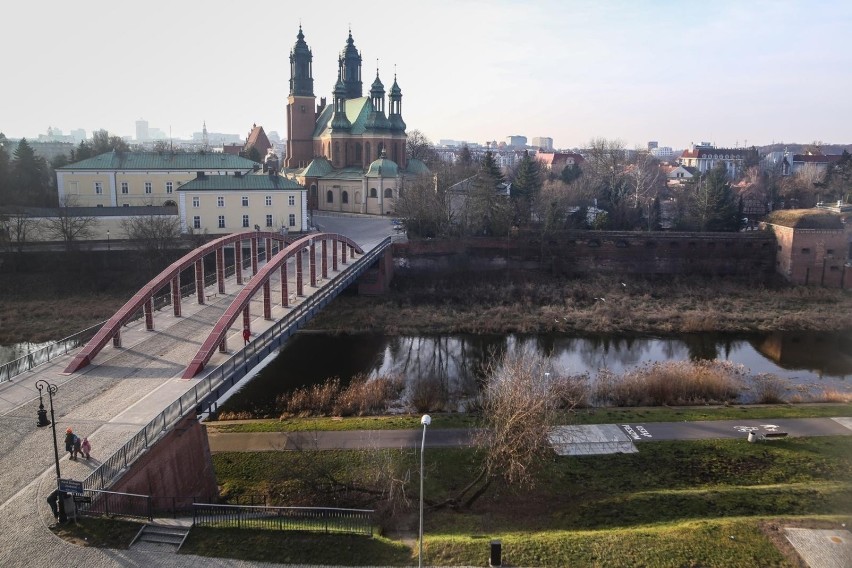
pixel 652 144
pixel 142 134
pixel 543 142
pixel 516 141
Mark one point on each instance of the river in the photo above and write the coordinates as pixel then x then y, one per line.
pixel 810 361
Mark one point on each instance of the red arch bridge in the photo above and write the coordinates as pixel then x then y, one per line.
pixel 280 271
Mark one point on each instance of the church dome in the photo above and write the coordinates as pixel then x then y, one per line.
pixel 383 168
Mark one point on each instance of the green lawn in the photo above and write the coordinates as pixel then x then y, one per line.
pixel 670 504
pixel 584 416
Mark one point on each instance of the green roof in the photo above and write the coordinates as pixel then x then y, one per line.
pixel 259 182
pixel 317 168
pixel 416 167
pixel 357 111
pixel 345 173
pixel 162 161
pixel 383 168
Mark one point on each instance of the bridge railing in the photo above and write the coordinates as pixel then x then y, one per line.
pixel 46 353
pixel 313 519
pixel 233 369
pixel 95 502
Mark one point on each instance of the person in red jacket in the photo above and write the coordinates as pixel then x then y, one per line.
pixel 246 335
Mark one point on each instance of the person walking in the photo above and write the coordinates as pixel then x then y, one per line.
pixel 86 448
pixel 72 443
pixel 246 335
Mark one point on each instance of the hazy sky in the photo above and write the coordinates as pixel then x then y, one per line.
pixel 729 72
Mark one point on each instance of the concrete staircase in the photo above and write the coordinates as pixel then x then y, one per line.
pixel 155 537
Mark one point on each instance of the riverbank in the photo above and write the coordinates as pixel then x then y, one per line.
pixel 535 303
pixel 518 303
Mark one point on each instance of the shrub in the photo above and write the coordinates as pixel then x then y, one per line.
pixel 366 396
pixel 768 389
pixel 427 395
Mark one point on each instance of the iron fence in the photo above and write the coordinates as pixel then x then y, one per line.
pixel 225 375
pixel 312 519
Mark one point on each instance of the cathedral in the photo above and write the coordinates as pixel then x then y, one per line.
pixel 351 154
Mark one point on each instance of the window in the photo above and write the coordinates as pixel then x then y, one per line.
pixel 329 197
pixel 344 197
pixel 245 201
pixel 388 192
pixel 292 219
pixel 291 200
pixel 126 205
pixel 124 188
pixel 829 251
pixel 169 187
pixel 196 202
pixel 99 188
pixel 196 222
pixel 269 220
pixel 220 201
pixel 99 205
pixel 221 221
pixel 373 192
pixel 269 201
pixel 149 188
pixel 245 221
pixel 806 251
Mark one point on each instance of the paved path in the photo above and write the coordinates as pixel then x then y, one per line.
pixel 442 438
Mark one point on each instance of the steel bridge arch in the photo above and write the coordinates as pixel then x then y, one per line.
pixel 112 328
pixel 258 281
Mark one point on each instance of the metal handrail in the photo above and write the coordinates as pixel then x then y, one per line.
pixel 314 519
pixel 233 369
pixel 46 353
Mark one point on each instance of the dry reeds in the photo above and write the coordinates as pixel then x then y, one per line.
pixel 363 396
pixel 768 389
pixel 671 382
pixel 427 395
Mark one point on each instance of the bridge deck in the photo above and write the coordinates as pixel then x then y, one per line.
pixel 121 391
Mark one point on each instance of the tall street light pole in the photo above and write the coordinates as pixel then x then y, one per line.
pixel 51 389
pixel 425 420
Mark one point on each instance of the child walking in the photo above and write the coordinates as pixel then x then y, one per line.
pixel 86 447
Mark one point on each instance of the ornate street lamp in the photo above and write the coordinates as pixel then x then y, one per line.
pixel 425 420
pixel 51 389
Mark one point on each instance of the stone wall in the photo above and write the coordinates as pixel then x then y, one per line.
pixel 176 470
pixel 576 252
pixel 813 256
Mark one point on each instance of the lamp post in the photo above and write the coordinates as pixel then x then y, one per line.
pixel 425 420
pixel 108 243
pixel 51 389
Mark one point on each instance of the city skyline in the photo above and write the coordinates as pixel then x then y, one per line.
pixel 728 73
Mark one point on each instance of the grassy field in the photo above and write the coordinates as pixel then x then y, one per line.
pixel 585 416
pixel 697 503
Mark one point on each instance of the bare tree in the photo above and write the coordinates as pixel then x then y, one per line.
pixel 419 147
pixel 152 235
pixel 17 228
pixel 422 207
pixel 69 225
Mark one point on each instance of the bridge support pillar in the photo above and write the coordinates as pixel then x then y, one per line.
pixel 268 244
pixel 238 261
pixel 267 300
pixel 246 318
pixel 285 293
pixel 149 315
pixel 176 295
pixel 345 250
pixel 223 346
pixel 220 269
pixel 300 291
pixel 325 258
pixel 199 280
pixel 313 264
pixel 116 339
pixel 334 255
pixel 253 256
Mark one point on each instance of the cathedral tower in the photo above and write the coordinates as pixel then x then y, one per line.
pixel 301 104
pixel 350 69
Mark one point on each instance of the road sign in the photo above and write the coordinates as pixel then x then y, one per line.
pixel 71 486
pixel 82 499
